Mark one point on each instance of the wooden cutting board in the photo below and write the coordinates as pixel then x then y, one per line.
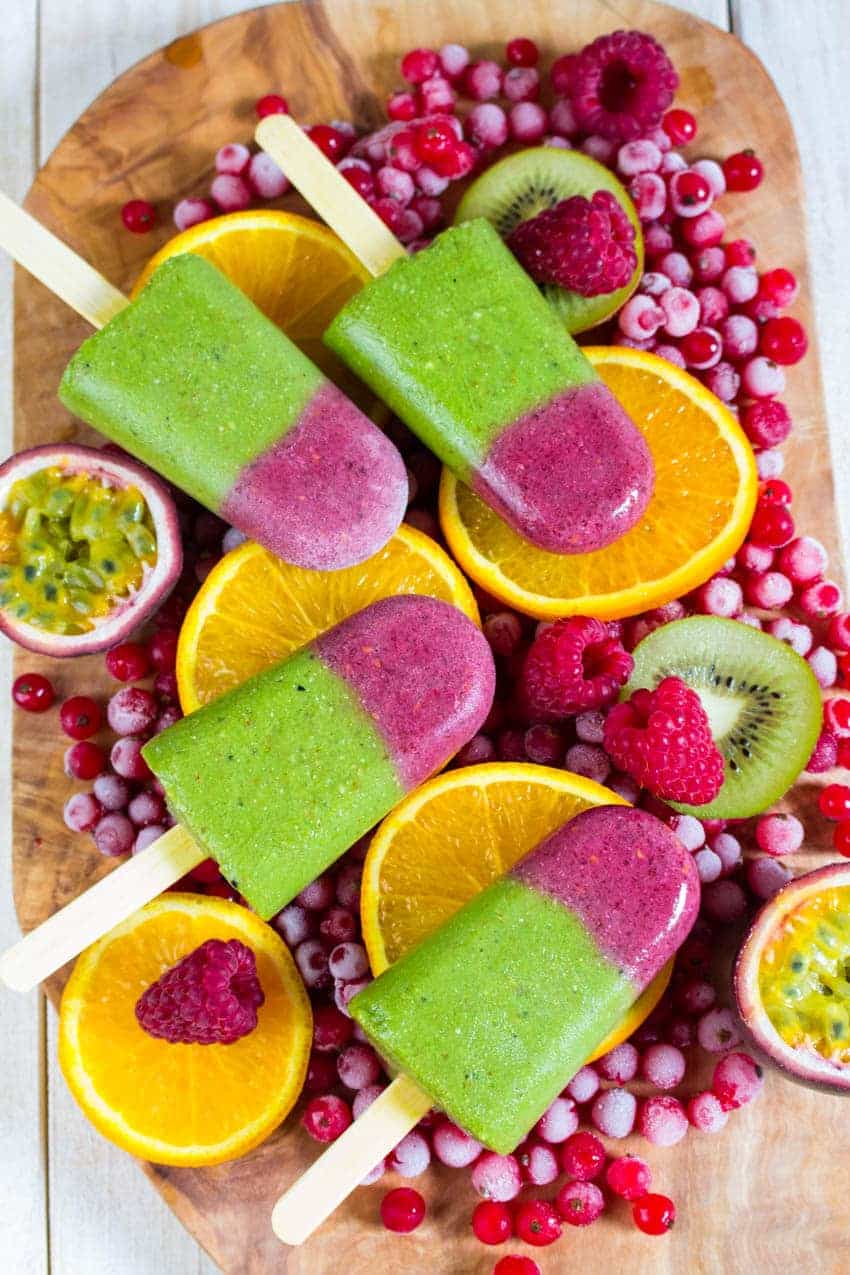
pixel 766 1190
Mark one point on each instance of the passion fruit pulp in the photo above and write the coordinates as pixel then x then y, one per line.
pixel 792 978
pixel 89 547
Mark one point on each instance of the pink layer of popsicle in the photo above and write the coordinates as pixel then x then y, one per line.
pixel 577 470
pixel 432 686
pixel 329 494
pixel 630 880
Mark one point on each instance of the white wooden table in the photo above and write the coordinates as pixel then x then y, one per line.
pixel 70 1203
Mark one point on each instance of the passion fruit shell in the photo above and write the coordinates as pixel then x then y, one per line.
pixel 127 612
pixel 808 924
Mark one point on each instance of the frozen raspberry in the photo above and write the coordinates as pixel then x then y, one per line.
pixel 573 665
pixel 663 739
pixel 211 997
pixel 586 245
pixel 621 85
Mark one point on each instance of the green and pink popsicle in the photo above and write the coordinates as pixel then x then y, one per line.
pixel 194 380
pixel 461 344
pixel 279 777
pixel 494 1013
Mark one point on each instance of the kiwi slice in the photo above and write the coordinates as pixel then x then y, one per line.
pixel 762 701
pixel 523 185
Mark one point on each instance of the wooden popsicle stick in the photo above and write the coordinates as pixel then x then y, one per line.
pixel 345 1164
pixel 58 266
pixel 326 190
pixel 99 909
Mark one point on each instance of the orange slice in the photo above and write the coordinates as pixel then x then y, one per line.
pixel 174 1103
pixel 453 836
pixel 253 609
pixel 296 270
pixel 705 494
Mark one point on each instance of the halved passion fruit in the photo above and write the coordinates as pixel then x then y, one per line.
pixel 792 978
pixel 89 546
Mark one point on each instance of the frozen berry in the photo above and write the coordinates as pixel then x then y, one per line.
pixel 706 1113
pixel 271 104
pixel 663 739
pixel 654 1214
pixel 580 1203
pixel 613 1113
pixel 82 812
pixel 210 997
pixel 326 1118
pixel 572 665
pixel 538 1163
pixel 84 760
pixel 413 1154
pixel 583 1156
pixel 718 1031
pixel 496 1177
pixel 127 760
pixel 537 1223
pixel 584 1085
pixel 629 1177
pixel 33 693
pixel 128 662
pixel 558 1122
pixel 453 1146
pixel 743 171
pixel 138 216
pixel 586 245
pixel 621 85
pixel 662 1120
pixel 737 1080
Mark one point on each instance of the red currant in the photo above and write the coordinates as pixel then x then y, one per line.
pixel 333 144
pixel 419 65
pixel 834 801
pixel 84 760
pixel 778 286
pixel 740 252
pixel 654 1214
pixel 516 1266
pixel 139 216
pixel 680 127
pixel 743 171
pixel 401 106
pixel 582 1156
pixel 701 348
pixel 33 693
pixel 522 52
pixel 629 1177
pixel 772 525
pixel 128 662
pixel 844 668
pixel 784 340
pixel 80 717
pixel 692 188
pixel 492 1222
pixel 163 650
pixel 271 104
pixel 538 1222
pixel 775 492
pixel 836 714
pixel 435 141
pixel 841 838
pixel 402 1210
pixel 325 1118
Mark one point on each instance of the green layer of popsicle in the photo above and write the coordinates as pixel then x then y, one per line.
pixel 496 1010
pixel 297 734
pixel 191 378
pixel 459 342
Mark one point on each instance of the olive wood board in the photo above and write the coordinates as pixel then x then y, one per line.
pixel 768 1190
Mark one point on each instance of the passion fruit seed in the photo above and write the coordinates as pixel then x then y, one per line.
pixel 804 978
pixel 70 546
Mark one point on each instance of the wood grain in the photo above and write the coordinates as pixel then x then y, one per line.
pixel 151 133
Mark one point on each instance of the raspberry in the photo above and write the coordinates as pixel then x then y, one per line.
pixel 211 997
pixel 663 739
pixel 586 245
pixel 573 665
pixel 621 85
